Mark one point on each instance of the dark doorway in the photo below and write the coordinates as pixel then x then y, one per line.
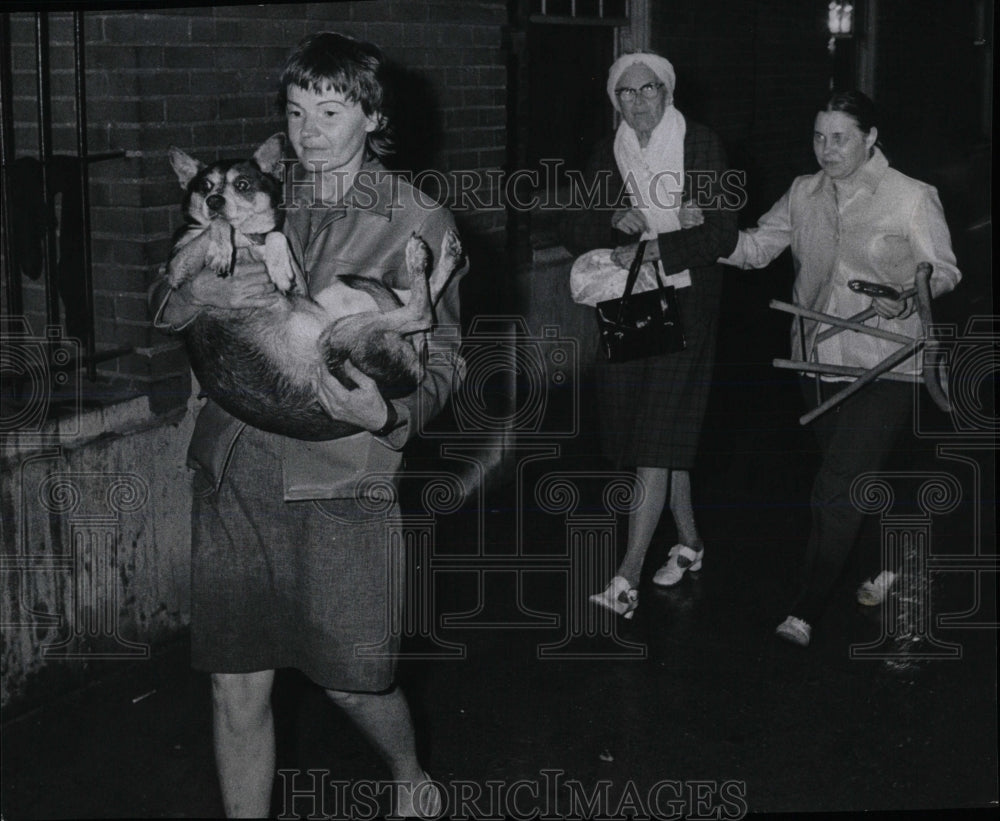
pixel 568 107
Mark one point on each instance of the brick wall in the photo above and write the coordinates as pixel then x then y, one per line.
pixel 204 79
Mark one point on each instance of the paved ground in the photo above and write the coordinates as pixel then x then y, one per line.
pixel 694 703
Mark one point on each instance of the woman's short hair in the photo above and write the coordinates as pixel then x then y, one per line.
pixel 859 107
pixel 855 104
pixel 354 68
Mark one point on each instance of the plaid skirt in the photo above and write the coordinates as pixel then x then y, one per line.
pixel 313 585
pixel 651 410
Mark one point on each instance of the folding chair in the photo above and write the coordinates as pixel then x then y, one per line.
pixel 933 363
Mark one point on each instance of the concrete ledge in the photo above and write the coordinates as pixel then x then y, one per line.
pixel 97 545
pixel 76 429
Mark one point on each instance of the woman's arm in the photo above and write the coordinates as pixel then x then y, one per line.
pixel 759 246
pixel 705 163
pixel 931 242
pixel 173 309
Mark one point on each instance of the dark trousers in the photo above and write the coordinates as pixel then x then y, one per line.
pixel 855 437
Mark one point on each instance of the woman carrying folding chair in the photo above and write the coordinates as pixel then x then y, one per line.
pixel 857 230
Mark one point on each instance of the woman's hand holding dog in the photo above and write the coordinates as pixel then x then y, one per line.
pixel 362 406
pixel 248 286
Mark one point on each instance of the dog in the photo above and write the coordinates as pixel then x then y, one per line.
pixel 261 364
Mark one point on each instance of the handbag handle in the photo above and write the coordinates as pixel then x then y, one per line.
pixel 633 276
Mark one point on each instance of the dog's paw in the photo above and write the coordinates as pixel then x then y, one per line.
pixel 283 281
pixel 221 251
pixel 278 260
pixel 451 250
pixel 417 257
pixel 217 260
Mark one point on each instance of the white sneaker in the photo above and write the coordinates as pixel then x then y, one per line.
pixel 795 630
pixel 672 572
pixel 873 592
pixel 619 597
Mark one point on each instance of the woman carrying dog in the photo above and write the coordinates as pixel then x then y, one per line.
pixel 291 563
pixel 651 410
pixel 855 219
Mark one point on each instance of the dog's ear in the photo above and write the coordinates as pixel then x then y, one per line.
pixel 270 154
pixel 185 167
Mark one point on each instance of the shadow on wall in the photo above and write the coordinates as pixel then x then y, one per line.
pixel 418 135
pixel 415 114
pixel 478 421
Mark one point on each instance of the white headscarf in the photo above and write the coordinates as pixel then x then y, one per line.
pixel 654 174
pixel 660 66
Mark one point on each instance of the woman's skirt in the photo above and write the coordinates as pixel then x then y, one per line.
pixel 651 410
pixel 314 585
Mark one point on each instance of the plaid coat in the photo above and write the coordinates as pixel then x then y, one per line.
pixel 651 410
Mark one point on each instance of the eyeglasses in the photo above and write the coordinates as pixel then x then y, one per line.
pixel 648 92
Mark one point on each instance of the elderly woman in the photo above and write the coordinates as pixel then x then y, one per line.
pixel 651 410
pixel 855 219
pixel 292 563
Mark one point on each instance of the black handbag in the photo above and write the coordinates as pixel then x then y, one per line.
pixel 639 325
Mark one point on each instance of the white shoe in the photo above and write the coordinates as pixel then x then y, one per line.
pixel 673 571
pixel 619 597
pixel 795 630
pixel 873 592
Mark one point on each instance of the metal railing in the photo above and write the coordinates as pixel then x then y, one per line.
pixel 89 356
